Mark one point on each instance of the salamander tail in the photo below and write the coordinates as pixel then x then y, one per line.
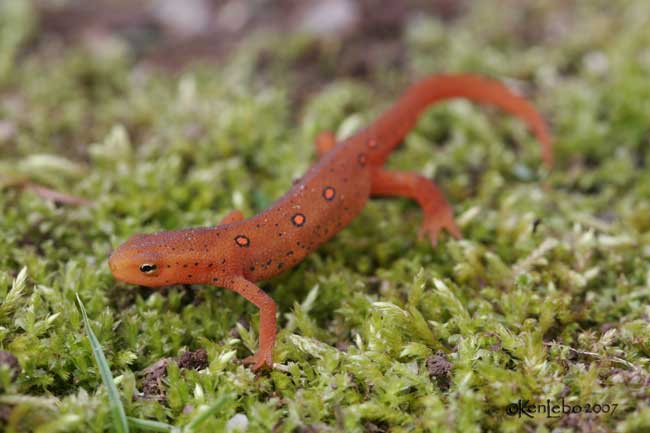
pixel 395 123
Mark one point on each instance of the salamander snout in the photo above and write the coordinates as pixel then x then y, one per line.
pixel 136 265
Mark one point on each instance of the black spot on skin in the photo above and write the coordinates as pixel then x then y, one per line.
pixel 196 263
pixel 169 266
pixel 268 263
pixel 289 253
pixel 215 279
pixel 279 234
pixel 189 276
pixel 223 261
pixel 185 265
pixel 257 225
pixel 210 265
pixel 362 159
pixel 252 268
pixel 280 265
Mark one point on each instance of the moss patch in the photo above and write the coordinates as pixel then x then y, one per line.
pixel 546 297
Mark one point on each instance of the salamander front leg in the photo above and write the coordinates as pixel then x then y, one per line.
pixel 438 214
pixel 267 331
pixel 325 141
pixel 231 217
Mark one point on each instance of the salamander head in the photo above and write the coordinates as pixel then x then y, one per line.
pixel 140 261
pixel 161 259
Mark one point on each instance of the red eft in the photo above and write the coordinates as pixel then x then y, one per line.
pixel 238 252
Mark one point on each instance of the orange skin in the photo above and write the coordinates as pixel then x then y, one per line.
pixel 239 252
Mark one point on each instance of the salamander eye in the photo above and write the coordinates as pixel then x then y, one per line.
pixel 148 268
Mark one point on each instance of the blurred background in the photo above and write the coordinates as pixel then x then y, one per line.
pixel 173 33
pixel 304 45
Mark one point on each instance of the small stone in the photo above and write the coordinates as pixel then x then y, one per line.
pixel 439 368
pixel 197 360
pixel 237 424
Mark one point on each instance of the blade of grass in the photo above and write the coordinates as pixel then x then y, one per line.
pixel 206 412
pixel 155 426
pixel 117 409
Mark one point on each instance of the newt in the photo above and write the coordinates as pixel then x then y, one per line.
pixel 240 251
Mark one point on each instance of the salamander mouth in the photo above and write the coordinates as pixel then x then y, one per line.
pixel 120 265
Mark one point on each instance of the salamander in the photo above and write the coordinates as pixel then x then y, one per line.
pixel 240 251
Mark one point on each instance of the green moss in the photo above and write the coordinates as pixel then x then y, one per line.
pixel 544 298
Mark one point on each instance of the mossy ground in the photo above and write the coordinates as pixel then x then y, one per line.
pixel 546 297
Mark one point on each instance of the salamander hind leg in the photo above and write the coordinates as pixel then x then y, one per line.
pixel 267 331
pixel 325 141
pixel 438 214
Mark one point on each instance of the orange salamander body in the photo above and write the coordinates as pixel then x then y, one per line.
pixel 239 252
